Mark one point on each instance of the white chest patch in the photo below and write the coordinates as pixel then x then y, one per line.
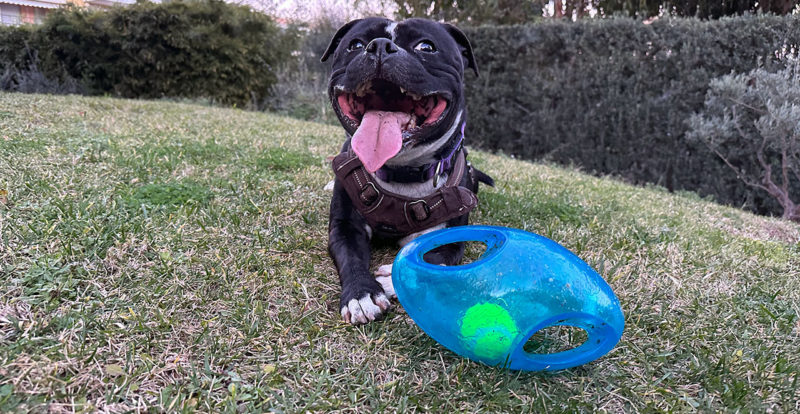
pixel 414 190
pixel 422 154
pixel 413 236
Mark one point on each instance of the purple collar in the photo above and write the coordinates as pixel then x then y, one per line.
pixel 425 172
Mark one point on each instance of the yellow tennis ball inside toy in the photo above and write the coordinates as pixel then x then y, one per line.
pixel 488 330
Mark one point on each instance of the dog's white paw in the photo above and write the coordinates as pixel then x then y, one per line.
pixel 360 311
pixel 329 186
pixel 385 270
pixel 384 277
pixel 388 287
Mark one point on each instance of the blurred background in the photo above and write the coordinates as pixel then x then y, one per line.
pixel 699 95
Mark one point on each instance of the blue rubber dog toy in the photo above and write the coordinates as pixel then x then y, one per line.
pixel 487 310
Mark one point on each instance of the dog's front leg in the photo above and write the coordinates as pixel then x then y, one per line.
pixel 363 299
pixel 447 255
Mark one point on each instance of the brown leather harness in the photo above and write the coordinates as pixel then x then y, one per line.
pixel 397 215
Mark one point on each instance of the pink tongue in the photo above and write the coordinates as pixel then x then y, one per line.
pixel 379 138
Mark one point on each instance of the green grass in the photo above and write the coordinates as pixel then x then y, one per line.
pixel 173 257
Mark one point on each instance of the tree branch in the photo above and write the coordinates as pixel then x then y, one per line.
pixel 784 167
pixel 739 173
pixel 746 105
pixel 768 184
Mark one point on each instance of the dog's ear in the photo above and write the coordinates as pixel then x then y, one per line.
pixel 466 48
pixel 338 38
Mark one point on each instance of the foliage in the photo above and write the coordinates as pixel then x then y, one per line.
pixel 195 49
pixel 478 12
pixel 77 42
pixel 473 12
pixel 13 46
pixel 613 95
pixel 752 122
pixel 704 9
pixel 301 90
pixel 20 65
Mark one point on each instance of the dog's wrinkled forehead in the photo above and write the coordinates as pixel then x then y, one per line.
pixel 368 29
pixel 406 34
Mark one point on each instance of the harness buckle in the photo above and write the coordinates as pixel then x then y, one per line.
pixel 420 210
pixel 369 194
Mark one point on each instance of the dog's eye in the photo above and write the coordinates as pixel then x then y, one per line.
pixel 355 45
pixel 425 46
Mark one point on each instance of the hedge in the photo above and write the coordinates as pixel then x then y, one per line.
pixel 613 96
pixel 193 49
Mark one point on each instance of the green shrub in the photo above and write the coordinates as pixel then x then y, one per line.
pixel 751 121
pixel 75 42
pixel 301 91
pixel 613 96
pixel 20 64
pixel 13 47
pixel 179 49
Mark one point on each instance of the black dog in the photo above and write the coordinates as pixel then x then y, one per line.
pixel 397 88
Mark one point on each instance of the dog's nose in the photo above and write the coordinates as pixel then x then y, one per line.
pixel 381 46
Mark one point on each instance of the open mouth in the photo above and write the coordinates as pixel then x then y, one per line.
pixel 413 112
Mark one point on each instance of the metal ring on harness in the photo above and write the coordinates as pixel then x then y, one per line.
pixel 437 174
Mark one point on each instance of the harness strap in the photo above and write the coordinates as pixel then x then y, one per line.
pixel 397 215
pixel 425 172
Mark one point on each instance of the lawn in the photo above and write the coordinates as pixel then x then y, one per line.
pixel 172 257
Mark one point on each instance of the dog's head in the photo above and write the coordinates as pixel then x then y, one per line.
pixel 397 87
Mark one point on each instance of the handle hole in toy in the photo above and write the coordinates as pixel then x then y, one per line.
pixel 473 252
pixel 553 339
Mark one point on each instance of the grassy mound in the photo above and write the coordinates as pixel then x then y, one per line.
pixel 173 256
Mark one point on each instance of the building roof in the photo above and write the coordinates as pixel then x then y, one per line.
pixel 45 4
pixel 53 4
pixel 107 3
